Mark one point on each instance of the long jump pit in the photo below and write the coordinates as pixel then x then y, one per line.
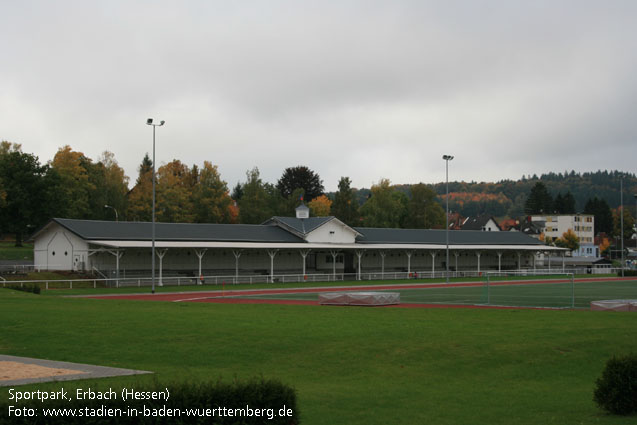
pixel 367 299
pixel 25 370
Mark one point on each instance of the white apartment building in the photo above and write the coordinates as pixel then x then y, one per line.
pixel 583 225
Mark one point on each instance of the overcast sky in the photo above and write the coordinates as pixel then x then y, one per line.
pixel 364 89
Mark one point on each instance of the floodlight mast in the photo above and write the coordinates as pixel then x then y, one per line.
pixel 447 158
pixel 149 121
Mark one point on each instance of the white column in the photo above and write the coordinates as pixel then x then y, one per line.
pixel 237 254
pixel 382 261
pixel 359 254
pixel 408 254
pixel 563 261
pixel 304 253
pixel 499 261
pixel 160 254
pixel 272 254
pixel 519 260
pixel 433 262
pixel 200 253
pixel 456 254
pixel 334 255
pixel 478 254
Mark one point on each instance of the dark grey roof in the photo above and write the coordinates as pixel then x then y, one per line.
pixel 437 237
pixel 532 227
pixel 302 226
pixel 478 223
pixel 128 230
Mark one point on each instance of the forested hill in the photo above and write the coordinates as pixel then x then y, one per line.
pixel 507 197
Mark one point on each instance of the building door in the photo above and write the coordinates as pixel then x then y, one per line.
pixel 348 266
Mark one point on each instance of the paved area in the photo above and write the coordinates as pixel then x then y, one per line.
pixel 49 370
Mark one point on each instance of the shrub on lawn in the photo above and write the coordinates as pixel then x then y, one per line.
pixel 627 273
pixel 257 401
pixel 26 288
pixel 616 389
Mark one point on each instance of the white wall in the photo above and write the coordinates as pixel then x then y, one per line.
pixel 58 249
pixel 331 232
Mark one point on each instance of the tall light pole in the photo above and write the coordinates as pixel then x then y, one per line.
pixel 635 220
pixel 113 208
pixel 447 158
pixel 149 121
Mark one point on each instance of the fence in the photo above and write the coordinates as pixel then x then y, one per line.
pixel 255 279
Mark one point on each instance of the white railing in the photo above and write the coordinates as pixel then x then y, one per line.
pixel 280 278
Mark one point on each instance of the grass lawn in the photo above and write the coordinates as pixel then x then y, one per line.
pixel 349 365
pixel 549 295
pixel 8 251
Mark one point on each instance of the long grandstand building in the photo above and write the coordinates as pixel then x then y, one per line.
pixel 282 245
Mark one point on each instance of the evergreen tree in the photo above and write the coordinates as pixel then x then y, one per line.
pixel 539 200
pixel 603 216
pixel 300 177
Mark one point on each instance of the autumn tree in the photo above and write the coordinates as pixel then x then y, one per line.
pixel 345 205
pixel 385 207
pixel 423 209
pixel 140 196
pixel 109 186
pixel 211 200
pixel 75 184
pixel 320 206
pixel 174 193
pixel 300 177
pixel 568 240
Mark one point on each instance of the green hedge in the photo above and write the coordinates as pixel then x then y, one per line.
pixel 261 402
pixel 627 273
pixel 26 288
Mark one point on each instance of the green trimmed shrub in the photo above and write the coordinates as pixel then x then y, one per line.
pixel 616 389
pixel 258 401
pixel 627 273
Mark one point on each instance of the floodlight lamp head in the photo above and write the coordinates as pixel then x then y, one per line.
pixel 162 122
pixel 447 157
pixel 149 121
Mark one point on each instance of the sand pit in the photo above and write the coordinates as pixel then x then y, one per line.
pixel 10 371
pixel 26 370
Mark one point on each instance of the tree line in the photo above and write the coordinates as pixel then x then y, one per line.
pixel 72 185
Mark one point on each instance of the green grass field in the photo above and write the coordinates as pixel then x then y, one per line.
pixel 8 251
pixel 349 365
pixel 550 295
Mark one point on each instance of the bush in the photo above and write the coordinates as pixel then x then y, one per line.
pixel 616 390
pixel 627 273
pixel 262 401
pixel 26 288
